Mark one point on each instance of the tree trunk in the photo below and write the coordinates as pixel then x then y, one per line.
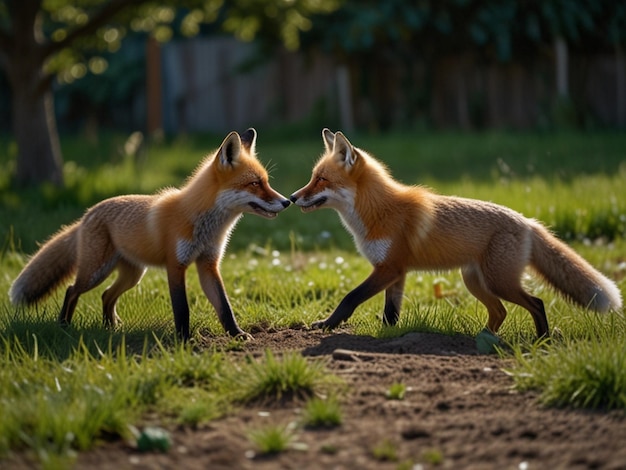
pixel 39 153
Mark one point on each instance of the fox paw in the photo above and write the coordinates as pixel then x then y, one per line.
pixel 243 336
pixel 321 325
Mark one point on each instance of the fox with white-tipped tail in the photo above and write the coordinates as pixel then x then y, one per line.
pixel 401 228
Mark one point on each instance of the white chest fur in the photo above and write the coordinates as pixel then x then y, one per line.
pixel 210 235
pixel 375 250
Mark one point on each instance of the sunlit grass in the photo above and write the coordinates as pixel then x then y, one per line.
pixel 62 390
pixel 54 407
pixel 320 412
pixel 280 290
pixel 550 177
pixel 272 439
pixel 581 374
pixel 396 391
pixel 278 378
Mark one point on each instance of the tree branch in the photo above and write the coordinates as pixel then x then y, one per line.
pixel 109 10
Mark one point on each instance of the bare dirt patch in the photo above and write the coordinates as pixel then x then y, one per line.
pixel 460 411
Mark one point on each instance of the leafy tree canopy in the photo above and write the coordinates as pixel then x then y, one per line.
pixel 506 29
pixel 73 32
pixel 41 40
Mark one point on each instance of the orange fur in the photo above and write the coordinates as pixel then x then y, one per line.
pixel 402 228
pixel 173 229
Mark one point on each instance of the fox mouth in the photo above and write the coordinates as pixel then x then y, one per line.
pixel 316 204
pixel 261 211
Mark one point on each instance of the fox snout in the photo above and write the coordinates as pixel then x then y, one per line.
pixel 299 195
pixel 276 197
pixel 296 199
pixel 283 201
pixel 269 208
pixel 308 203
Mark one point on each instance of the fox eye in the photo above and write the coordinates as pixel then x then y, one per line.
pixel 321 179
pixel 255 184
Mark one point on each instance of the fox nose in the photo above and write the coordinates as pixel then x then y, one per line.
pixel 293 198
pixel 285 203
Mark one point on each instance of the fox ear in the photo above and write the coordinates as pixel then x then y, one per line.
pixel 344 150
pixel 329 139
pixel 230 149
pixel 248 140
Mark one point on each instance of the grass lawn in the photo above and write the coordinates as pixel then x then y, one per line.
pixel 60 389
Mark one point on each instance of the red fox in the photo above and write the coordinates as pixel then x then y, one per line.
pixel 400 228
pixel 173 228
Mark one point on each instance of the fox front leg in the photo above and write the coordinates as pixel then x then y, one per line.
pixel 213 288
pixel 380 279
pixel 178 296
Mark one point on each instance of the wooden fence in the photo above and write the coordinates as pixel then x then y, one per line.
pixel 204 86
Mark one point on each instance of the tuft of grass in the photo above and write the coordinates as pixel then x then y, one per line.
pixel 407 465
pixel 396 391
pixel 385 451
pixel 197 412
pixel 581 374
pixel 433 456
pixel 322 413
pixel 272 439
pixel 56 407
pixel 290 377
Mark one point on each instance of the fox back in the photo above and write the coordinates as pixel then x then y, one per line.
pixel 400 228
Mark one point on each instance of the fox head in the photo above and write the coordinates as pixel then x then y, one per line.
pixel 335 176
pixel 241 180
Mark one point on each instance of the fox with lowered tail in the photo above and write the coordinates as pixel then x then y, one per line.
pixel 172 229
pixel 401 228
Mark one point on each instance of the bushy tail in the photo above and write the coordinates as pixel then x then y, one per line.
pixel 50 266
pixel 570 274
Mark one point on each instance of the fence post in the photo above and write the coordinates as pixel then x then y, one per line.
pixel 344 91
pixel 154 102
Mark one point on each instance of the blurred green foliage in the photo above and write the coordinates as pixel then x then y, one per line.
pixel 503 29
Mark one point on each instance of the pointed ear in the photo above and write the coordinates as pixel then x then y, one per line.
pixel 329 139
pixel 248 140
pixel 344 150
pixel 230 149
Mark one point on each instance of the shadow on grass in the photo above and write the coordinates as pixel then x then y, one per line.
pixel 412 343
pixel 47 339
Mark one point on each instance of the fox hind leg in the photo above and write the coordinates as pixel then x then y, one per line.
pixel 393 302
pixel 473 278
pixel 534 305
pixel 502 271
pixel 92 270
pixel 128 277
